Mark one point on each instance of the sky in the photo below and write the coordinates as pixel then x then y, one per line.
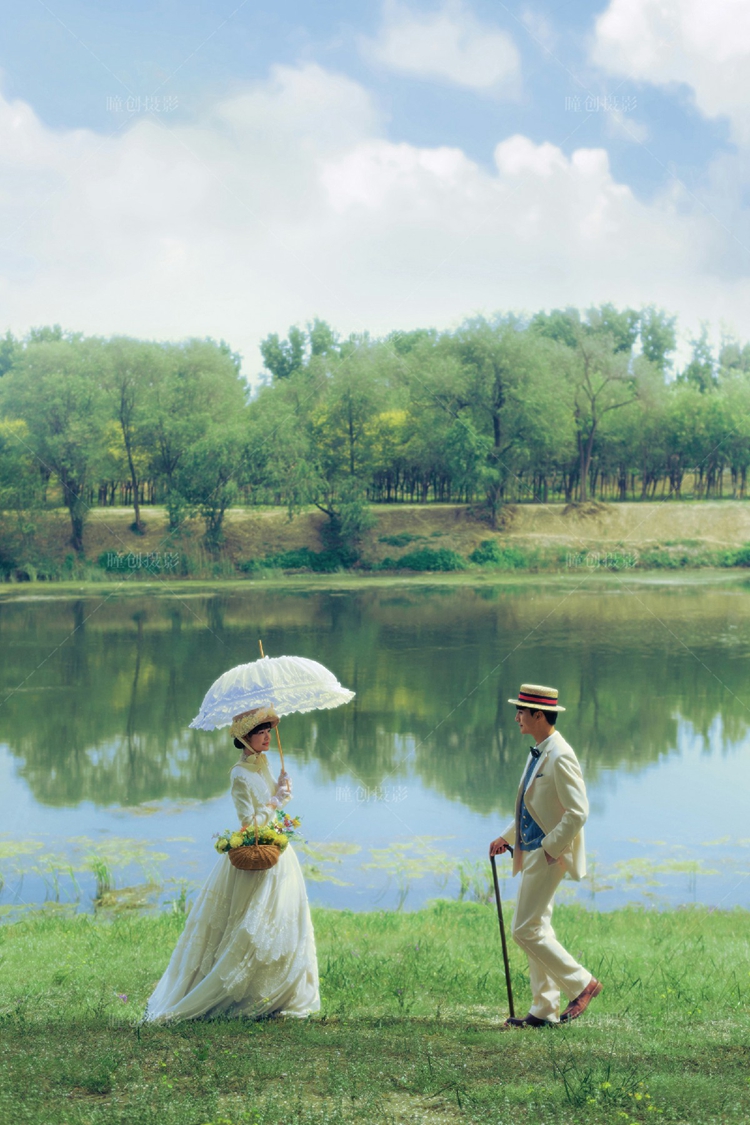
pixel 228 169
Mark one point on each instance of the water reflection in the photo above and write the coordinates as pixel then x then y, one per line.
pixel 99 693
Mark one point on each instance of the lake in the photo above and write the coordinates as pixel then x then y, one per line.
pixel 106 794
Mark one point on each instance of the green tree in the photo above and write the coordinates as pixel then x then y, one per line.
pixel 344 432
pixel 135 368
pixel 602 382
pixel 658 338
pixel 280 461
pixel 55 386
pixel 684 442
pixel 561 325
pixel 322 338
pixel 20 480
pixel 498 359
pixel 198 390
pixel 596 359
pixel 701 371
pixel 209 474
pixel 283 357
pixel 9 351
pixel 620 325
pixel 735 392
pixel 355 391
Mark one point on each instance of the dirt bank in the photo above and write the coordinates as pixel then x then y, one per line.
pixel 258 533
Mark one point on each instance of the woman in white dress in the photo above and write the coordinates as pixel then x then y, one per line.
pixel 248 947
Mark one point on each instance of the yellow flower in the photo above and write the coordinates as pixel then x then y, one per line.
pixel 222 845
pixel 235 840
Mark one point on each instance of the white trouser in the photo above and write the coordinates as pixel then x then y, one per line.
pixel 551 968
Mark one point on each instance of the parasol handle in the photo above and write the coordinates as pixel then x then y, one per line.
pixel 278 743
pixel 278 740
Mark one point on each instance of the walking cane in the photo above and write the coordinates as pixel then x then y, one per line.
pixel 511 1011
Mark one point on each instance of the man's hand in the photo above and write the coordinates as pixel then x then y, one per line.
pixel 498 846
pixel 549 859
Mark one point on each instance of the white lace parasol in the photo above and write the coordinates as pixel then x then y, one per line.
pixel 287 683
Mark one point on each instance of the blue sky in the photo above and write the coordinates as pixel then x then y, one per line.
pixel 284 161
pixel 68 60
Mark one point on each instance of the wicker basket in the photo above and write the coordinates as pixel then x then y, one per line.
pixel 254 857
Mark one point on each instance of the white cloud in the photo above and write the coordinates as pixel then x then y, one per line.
pixel 626 127
pixel 705 46
pixel 449 44
pixel 539 27
pixel 288 201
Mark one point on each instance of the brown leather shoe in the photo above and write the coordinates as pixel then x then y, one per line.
pixel 578 1006
pixel 513 1023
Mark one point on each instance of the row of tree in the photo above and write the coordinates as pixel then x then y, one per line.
pixel 83 418
pixel 564 405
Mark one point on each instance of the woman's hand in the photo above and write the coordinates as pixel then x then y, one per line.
pixel 283 790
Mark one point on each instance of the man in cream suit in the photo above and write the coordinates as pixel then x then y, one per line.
pixel 547 837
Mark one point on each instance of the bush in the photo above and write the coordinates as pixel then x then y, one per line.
pixel 660 559
pixel 741 557
pixel 488 553
pixel 426 559
pixel 321 562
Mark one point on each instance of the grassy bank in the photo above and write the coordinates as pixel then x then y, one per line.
pixel 406 539
pixel 347 580
pixel 409 1030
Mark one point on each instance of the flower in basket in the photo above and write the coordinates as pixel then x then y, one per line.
pixel 276 832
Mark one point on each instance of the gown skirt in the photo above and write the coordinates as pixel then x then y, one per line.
pixel 248 948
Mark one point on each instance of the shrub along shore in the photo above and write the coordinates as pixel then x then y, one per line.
pixel 409 1029
pixel 400 539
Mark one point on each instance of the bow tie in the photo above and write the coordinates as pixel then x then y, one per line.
pixel 535 751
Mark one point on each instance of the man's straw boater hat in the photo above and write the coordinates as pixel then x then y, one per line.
pixel 246 722
pixel 537 698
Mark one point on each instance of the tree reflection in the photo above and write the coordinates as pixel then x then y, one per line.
pixel 99 693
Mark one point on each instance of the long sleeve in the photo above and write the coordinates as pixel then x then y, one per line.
pixel 509 835
pixel 251 796
pixel 571 793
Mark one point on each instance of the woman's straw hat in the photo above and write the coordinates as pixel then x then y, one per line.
pixel 243 723
pixel 538 698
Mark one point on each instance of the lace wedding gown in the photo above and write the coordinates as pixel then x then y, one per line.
pixel 248 947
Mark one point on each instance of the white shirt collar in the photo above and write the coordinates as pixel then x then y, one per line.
pixel 541 745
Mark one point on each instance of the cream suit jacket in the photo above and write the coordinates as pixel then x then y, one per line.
pixel 556 798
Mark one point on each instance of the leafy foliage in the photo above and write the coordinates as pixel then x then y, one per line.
pixel 567 404
pixel 426 558
pixel 490 553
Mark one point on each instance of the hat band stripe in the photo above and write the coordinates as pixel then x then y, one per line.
pixel 548 699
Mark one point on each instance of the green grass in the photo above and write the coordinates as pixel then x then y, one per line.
pixel 409 1031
